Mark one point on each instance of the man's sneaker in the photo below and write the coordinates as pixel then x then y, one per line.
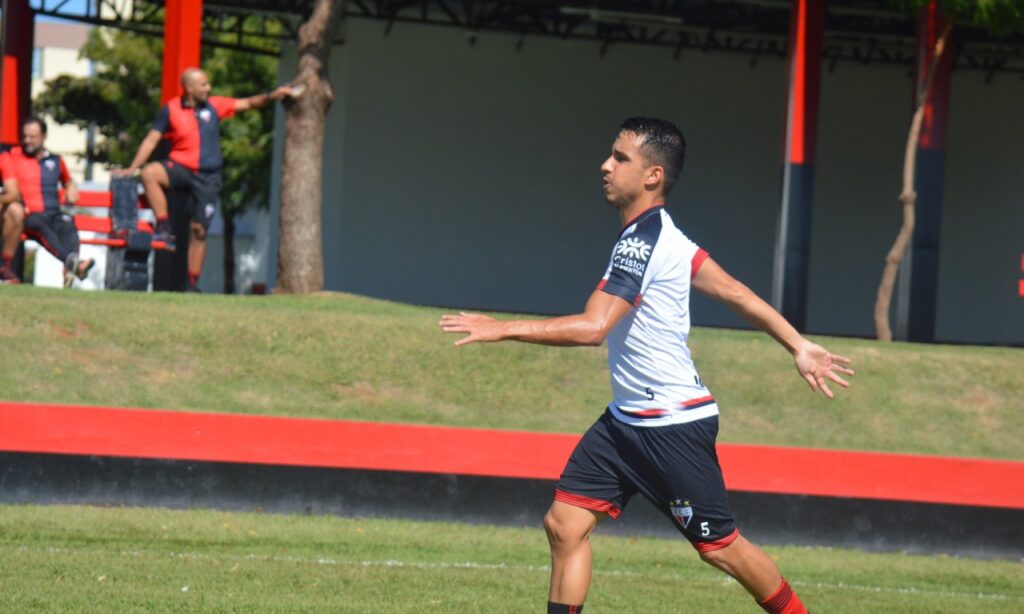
pixel 163 233
pixel 84 266
pixel 7 276
pixel 192 288
pixel 70 270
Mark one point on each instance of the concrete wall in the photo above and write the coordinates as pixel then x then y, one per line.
pixel 467 175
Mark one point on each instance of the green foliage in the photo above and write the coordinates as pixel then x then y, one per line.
pixel 998 16
pixel 123 97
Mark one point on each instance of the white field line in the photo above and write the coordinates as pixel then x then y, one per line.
pixel 707 578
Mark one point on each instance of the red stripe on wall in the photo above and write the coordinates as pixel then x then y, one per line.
pixel 95 431
pixel 806 37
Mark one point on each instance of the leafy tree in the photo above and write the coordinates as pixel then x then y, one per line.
pixel 123 96
pixel 998 16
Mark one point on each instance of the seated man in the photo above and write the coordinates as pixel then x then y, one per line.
pixel 12 216
pixel 33 174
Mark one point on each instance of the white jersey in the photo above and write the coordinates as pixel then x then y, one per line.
pixel 653 378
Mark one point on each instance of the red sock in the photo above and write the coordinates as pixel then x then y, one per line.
pixel 8 260
pixel 193 279
pixel 162 218
pixel 783 601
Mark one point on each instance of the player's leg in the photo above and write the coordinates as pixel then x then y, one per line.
pixel 155 181
pixel 67 233
pixel 684 481
pixel 568 528
pixel 756 571
pixel 196 253
pixel 590 490
pixel 42 228
pixel 13 221
pixel 205 200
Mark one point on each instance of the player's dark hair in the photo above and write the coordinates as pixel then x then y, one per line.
pixel 661 143
pixel 35 119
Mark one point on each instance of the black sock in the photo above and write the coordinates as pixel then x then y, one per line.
pixel 561 608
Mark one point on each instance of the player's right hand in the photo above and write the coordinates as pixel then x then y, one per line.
pixel 478 326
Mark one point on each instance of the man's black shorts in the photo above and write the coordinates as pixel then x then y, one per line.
pixel 674 467
pixel 205 189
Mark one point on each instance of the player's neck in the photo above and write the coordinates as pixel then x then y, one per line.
pixel 637 208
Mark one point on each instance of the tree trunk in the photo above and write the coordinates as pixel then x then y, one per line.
pixel 229 253
pixel 300 254
pixel 908 198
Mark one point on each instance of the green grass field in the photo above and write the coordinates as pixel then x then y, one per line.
pixel 339 356
pixel 120 560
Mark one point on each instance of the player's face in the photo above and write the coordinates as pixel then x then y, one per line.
pixel 624 171
pixel 199 87
pixel 32 138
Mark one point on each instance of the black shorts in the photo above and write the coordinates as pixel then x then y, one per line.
pixel 674 467
pixel 205 189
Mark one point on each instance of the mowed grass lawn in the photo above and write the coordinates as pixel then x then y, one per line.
pixel 348 357
pixel 138 560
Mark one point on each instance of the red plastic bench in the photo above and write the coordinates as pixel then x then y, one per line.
pixel 103 225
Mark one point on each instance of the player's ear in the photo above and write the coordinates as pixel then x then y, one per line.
pixel 655 176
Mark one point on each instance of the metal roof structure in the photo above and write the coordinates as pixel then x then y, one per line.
pixel 861 31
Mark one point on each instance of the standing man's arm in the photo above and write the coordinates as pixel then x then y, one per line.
pixel 146 149
pixel 599 317
pixel 261 100
pixel 814 362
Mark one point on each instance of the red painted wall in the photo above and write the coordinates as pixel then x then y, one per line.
pixel 64 429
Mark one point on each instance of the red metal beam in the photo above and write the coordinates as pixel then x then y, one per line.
pixel 16 70
pixel 930 25
pixel 183 27
pixel 806 37
pixel 136 433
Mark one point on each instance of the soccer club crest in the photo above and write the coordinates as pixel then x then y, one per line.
pixel 49 164
pixel 682 511
pixel 204 114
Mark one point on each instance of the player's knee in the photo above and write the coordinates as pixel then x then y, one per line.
pixel 715 558
pixel 14 214
pixel 561 532
pixel 151 174
pixel 198 232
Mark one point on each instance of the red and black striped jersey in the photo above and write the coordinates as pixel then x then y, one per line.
pixel 39 178
pixel 194 132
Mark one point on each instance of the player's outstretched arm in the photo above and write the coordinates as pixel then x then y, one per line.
pixel 602 313
pixel 146 148
pixel 814 363
pixel 261 100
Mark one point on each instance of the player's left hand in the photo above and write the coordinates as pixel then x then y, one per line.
pixel 479 327
pixel 816 364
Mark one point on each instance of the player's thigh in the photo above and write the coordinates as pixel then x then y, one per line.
pixel 155 172
pixel 567 523
pixel 594 476
pixel 687 485
pixel 205 199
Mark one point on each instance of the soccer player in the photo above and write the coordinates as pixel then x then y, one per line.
pixel 657 436
pixel 32 174
pixel 192 124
